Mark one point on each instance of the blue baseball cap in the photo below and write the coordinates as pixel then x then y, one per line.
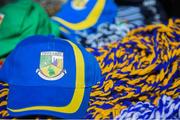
pixel 77 15
pixel 49 76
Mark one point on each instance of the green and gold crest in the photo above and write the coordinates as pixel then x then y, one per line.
pixel 51 65
pixel 79 4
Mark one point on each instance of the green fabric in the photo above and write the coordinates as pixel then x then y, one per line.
pixel 23 18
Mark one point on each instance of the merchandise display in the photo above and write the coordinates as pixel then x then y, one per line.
pixel 89 59
pixel 133 71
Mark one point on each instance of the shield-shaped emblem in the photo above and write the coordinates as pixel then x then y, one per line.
pixel 51 65
pixel 79 4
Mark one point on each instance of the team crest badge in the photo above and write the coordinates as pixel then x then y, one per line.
pixel 79 4
pixel 1 18
pixel 51 65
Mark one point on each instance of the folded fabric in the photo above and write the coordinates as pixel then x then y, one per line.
pixel 167 108
pixel 151 9
pixel 130 14
pixel 152 12
pixel 127 18
pixel 22 18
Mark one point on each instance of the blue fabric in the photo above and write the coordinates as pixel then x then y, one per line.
pixel 167 108
pixel 27 89
pixel 53 96
pixel 68 13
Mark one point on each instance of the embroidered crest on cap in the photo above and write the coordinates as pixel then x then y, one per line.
pixel 51 65
pixel 1 18
pixel 79 4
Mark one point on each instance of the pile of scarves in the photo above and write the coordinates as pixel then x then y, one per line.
pixel 142 67
pixel 140 74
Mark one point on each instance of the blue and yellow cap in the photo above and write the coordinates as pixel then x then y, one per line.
pixel 49 76
pixel 77 15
